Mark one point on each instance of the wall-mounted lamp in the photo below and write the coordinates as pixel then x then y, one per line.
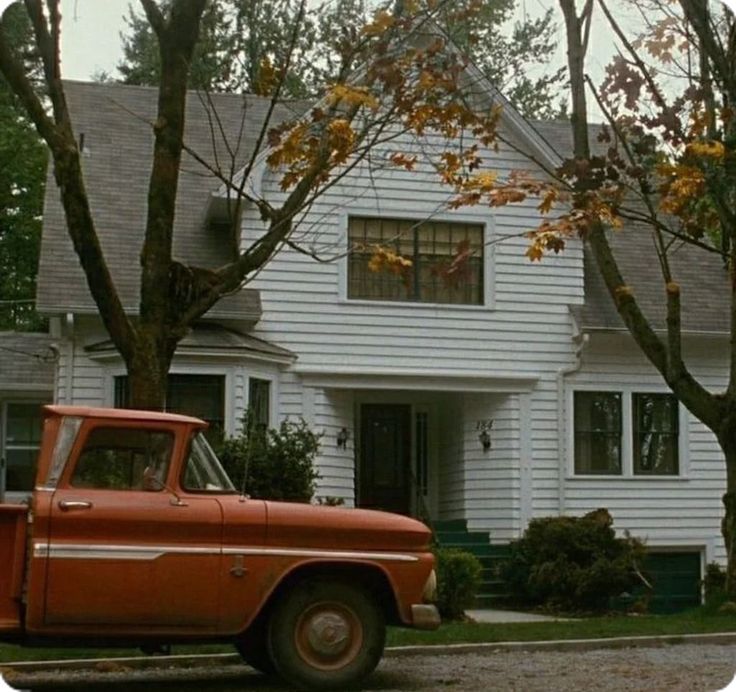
pixel 342 438
pixel 485 440
pixel 484 426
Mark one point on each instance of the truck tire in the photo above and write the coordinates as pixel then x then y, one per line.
pixel 326 635
pixel 252 646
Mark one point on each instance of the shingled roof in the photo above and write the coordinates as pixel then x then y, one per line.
pixel 27 362
pixel 113 120
pixel 117 157
pixel 701 274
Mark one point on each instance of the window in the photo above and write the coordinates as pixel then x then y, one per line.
pixel 203 470
pixel 656 434
pixel 259 402
pixel 433 248
pixel 626 433
pixel 201 396
pixel 123 459
pixel 20 435
pixel 597 432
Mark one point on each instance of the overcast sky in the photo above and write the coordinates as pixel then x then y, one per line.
pixel 91 36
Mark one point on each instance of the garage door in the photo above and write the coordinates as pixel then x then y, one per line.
pixel 676 581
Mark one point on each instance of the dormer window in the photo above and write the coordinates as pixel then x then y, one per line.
pixel 446 261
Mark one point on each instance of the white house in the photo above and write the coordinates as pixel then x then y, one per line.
pixel 411 383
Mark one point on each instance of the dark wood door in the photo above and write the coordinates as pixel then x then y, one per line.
pixel 385 458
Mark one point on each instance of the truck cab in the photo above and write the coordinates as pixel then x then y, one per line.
pixel 135 534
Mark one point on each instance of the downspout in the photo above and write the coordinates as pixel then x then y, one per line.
pixel 69 329
pixel 582 341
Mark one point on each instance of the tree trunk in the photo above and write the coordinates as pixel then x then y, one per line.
pixel 148 370
pixel 727 440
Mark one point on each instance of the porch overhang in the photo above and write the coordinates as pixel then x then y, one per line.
pixel 417 380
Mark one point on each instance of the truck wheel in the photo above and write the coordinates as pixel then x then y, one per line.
pixel 326 635
pixel 252 646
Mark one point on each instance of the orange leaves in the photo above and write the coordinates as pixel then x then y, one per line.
pixel 682 184
pixel 385 260
pixel 352 96
pixel 403 161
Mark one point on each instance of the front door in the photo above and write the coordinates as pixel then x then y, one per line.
pixel 385 457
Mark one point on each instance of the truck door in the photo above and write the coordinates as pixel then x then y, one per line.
pixel 123 550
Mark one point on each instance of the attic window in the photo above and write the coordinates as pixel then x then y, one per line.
pixel 446 261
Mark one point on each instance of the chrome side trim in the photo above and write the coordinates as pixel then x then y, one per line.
pixel 340 554
pixel 115 552
pixel 71 551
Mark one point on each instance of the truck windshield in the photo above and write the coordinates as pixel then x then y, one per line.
pixel 203 470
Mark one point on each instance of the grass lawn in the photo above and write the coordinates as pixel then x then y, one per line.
pixel 692 622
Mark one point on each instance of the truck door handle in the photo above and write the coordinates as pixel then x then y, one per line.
pixel 70 505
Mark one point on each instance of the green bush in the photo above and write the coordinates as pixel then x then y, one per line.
pixel 714 584
pixel 279 462
pixel 458 581
pixel 572 563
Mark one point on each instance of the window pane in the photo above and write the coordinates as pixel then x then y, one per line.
pixel 447 261
pixel 201 396
pixel 23 425
pixel 20 469
pixel 123 459
pixel 597 432
pixel 259 401
pixel 656 433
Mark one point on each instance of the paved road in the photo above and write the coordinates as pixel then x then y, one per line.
pixel 681 668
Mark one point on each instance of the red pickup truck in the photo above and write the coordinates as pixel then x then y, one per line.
pixel 135 535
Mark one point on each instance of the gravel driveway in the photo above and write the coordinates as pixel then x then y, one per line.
pixel 685 668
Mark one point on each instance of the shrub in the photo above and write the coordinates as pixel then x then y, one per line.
pixel 714 584
pixel 279 462
pixel 458 581
pixel 572 563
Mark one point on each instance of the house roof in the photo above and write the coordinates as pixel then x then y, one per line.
pixel 701 275
pixel 113 122
pixel 27 362
pixel 210 338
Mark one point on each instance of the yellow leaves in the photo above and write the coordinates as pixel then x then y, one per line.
pixel 382 22
pixel 710 149
pixel 352 96
pixel 268 78
pixel 682 185
pixel 389 261
pixel 548 200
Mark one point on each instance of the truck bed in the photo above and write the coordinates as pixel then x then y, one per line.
pixel 13 519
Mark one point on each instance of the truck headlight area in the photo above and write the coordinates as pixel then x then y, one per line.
pixel 429 595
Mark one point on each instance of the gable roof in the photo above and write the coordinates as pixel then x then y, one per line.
pixel 702 275
pixel 113 120
pixel 27 362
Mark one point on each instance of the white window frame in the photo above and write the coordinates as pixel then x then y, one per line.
pixel 489 256
pixel 627 434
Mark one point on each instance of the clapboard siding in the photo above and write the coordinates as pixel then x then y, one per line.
pixel 682 511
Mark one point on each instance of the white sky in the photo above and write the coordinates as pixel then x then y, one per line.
pixel 91 36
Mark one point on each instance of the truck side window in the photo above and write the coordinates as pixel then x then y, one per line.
pixel 124 459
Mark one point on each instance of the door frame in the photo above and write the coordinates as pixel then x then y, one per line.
pixel 418 402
